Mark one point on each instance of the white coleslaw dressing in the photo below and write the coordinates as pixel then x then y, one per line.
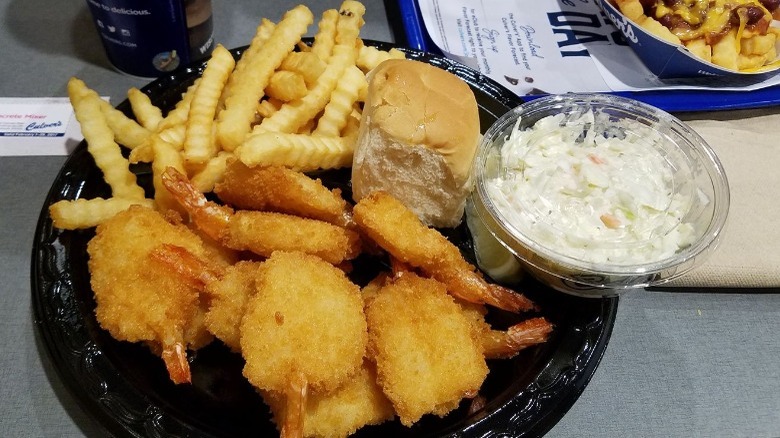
pixel 602 199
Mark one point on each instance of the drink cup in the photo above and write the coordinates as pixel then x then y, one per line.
pixel 148 38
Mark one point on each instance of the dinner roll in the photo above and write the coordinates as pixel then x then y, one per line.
pixel 418 137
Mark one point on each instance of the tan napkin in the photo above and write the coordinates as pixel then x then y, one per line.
pixel 749 252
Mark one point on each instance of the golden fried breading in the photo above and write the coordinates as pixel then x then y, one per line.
pixel 140 300
pixel 427 354
pixel 265 232
pixel 226 288
pixel 476 314
pixel 259 231
pixel 373 287
pixel 400 232
pixel 306 317
pixel 229 297
pixel 280 189
pixel 221 254
pixel 505 344
pixel 341 412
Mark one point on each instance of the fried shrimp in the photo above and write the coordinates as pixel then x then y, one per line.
pixel 500 344
pixel 280 189
pixel 229 298
pixel 228 289
pixel 505 344
pixel 259 231
pixel 142 301
pixel 427 354
pixel 191 268
pixel 305 321
pixel 341 412
pixel 398 231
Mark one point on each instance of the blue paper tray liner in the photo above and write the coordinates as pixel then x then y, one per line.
pixel 669 100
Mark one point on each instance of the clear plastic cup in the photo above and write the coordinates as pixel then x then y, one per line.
pixel 698 184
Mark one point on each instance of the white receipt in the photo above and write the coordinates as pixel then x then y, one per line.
pixel 38 126
pixel 549 46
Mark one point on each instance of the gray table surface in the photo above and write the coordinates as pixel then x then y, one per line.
pixel 678 364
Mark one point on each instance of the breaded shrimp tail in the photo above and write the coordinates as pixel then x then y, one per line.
pixel 296 395
pixel 138 300
pixel 210 217
pixel 284 190
pixel 398 231
pixel 186 264
pixel 506 344
pixel 175 358
pixel 262 232
pixel 427 355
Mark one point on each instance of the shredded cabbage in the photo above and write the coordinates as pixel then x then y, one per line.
pixel 594 197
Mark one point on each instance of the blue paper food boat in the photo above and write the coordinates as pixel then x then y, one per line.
pixel 411 32
pixel 667 60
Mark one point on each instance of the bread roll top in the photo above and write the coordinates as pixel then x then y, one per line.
pixel 417 139
pixel 419 104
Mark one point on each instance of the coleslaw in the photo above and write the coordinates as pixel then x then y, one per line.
pixel 592 196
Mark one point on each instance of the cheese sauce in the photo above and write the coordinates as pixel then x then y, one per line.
pixel 712 19
pixel 596 198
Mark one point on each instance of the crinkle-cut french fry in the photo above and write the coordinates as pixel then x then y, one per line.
pixel 234 122
pixel 350 21
pixel 127 131
pixel 165 155
pixel 199 145
pixel 325 38
pixel 266 107
pixel 334 118
pixel 100 141
pixel 88 213
pixel 369 57
pixel 362 94
pixel 173 135
pixel 293 115
pixel 306 64
pixel 212 173
pixel 350 131
pixel 77 89
pixel 296 151
pixel 178 115
pixel 263 32
pixel 143 153
pixel 357 111
pixel 147 114
pixel 308 127
pixel 286 86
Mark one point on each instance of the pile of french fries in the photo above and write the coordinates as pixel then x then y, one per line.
pixel 283 102
pixel 748 46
